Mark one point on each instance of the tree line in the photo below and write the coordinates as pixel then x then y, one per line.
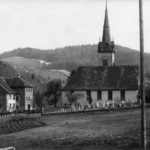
pixel 71 57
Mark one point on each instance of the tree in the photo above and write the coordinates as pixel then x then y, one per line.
pixel 54 91
pixel 74 97
pixel 38 99
pixel 70 76
pixel 33 76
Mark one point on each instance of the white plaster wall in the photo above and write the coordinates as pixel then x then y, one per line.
pixel 29 102
pixel 131 95
pixel 104 96
pixel 64 97
pixel 94 96
pixel 116 95
pixel 10 100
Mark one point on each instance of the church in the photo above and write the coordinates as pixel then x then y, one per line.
pixel 107 81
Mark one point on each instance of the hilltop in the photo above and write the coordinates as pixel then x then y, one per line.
pixel 71 57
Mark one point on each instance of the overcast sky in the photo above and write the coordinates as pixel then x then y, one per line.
pixel 48 24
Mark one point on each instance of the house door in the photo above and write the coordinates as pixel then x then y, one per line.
pixel 28 107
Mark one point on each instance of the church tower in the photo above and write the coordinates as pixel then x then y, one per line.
pixel 106 47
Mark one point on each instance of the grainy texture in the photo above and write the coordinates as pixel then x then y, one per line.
pixel 110 130
pixel 104 78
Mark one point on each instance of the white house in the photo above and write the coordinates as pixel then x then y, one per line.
pixel 105 82
pixel 7 97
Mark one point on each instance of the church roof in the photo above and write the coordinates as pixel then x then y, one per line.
pixel 104 78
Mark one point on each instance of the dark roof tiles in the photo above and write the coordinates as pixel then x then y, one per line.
pixel 104 78
pixel 5 86
pixel 17 82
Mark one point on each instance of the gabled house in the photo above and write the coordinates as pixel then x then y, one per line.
pixel 24 92
pixel 7 97
pixel 105 82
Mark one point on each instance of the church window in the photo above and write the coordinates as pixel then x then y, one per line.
pixel 99 95
pixel 122 95
pixel 105 62
pixel 110 95
pixel 71 92
pixel 89 98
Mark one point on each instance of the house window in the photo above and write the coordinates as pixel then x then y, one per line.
pixel 10 96
pixel 13 105
pixel 71 92
pixel 17 98
pixel 122 95
pixel 109 95
pixel 105 62
pixel 99 95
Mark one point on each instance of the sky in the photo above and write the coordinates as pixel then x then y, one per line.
pixel 50 24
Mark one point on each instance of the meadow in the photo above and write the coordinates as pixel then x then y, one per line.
pixel 112 130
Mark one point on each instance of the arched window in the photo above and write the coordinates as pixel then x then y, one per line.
pixel 105 62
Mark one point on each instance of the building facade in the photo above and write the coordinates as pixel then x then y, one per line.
pixel 107 81
pixel 24 92
pixel 7 97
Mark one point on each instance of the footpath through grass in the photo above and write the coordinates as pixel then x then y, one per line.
pixel 106 130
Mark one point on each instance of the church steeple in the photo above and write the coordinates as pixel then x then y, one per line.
pixel 106 31
pixel 106 46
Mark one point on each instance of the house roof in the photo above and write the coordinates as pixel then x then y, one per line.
pixel 104 78
pixel 5 86
pixel 17 82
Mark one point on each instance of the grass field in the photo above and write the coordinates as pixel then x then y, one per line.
pixel 91 131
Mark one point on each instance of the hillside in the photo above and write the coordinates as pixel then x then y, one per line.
pixel 71 57
pixel 19 61
pixel 6 70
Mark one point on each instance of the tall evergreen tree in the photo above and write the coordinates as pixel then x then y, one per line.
pixel 70 76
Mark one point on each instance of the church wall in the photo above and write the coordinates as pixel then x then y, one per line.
pixel 132 95
pixel 64 97
pixel 94 96
pixel 82 101
pixel 104 96
pixel 116 95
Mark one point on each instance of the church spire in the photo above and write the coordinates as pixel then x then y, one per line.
pixel 106 30
pixel 106 44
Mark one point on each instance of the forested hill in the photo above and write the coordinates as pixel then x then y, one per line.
pixel 71 57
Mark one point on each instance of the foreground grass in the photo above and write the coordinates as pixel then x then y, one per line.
pixel 107 130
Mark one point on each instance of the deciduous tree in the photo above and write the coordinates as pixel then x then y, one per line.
pixel 54 91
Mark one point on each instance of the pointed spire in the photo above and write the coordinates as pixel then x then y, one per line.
pixel 106 31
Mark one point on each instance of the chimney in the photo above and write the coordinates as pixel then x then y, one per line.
pixel 18 75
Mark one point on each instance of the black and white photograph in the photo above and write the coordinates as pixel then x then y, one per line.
pixel 74 75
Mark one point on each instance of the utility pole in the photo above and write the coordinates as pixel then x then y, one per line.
pixel 142 81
